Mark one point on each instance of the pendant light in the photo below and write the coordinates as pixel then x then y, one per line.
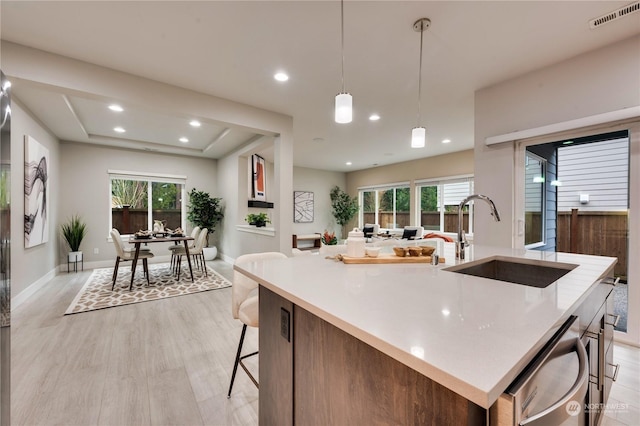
pixel 418 134
pixel 344 110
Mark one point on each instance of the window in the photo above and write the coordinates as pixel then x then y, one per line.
pixel 534 200
pixel 439 201
pixel 130 206
pixel 387 206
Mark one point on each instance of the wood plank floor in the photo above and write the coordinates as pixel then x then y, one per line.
pixel 166 362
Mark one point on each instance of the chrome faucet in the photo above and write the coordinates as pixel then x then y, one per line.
pixel 462 237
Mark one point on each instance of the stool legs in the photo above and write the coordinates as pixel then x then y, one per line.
pixel 238 361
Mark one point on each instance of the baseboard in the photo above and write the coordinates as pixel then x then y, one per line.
pixel 25 294
pixel 226 258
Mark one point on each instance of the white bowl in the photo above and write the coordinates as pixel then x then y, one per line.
pixel 372 251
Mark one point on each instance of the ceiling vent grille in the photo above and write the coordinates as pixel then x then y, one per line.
pixel 616 14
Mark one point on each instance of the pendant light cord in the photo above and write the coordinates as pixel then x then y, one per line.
pixel 342 38
pixel 420 72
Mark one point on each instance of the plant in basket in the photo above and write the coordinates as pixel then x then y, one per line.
pixel 329 239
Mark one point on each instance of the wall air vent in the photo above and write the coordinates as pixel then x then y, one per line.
pixel 616 14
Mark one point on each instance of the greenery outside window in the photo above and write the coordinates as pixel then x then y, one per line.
pixel 388 206
pixel 438 204
pixel 137 200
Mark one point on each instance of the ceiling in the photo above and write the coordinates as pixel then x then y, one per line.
pixel 232 49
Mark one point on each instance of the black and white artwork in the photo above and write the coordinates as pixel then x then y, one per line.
pixel 36 187
pixel 302 206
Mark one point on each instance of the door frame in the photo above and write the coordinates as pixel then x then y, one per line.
pixel 632 336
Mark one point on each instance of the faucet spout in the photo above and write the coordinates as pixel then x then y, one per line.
pixel 462 238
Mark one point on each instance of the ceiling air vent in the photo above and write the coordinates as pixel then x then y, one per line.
pixel 616 14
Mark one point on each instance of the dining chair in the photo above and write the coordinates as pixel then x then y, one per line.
pixel 124 255
pixel 244 306
pixel 196 253
pixel 194 234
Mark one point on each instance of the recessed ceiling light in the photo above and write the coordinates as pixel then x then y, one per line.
pixel 183 140
pixel 116 108
pixel 348 163
pixel 374 117
pixel 195 123
pixel 318 140
pixel 446 140
pixel 119 129
pixel 280 76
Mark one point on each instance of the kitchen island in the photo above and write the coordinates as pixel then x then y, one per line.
pixel 406 342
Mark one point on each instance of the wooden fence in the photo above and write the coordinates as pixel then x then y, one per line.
pixel 430 220
pixel 597 233
pixel 128 220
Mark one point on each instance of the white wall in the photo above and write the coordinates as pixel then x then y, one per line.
pixel 320 183
pixel 30 265
pixel 600 81
pixel 84 188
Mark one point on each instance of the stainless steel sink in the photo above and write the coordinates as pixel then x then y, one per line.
pixel 534 273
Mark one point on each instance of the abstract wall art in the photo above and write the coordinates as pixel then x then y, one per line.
pixel 259 178
pixel 302 206
pixel 36 188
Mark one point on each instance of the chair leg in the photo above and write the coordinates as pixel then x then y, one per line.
pixel 204 264
pixel 115 273
pixel 235 365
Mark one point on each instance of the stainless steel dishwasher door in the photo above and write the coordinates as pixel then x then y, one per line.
pixel 552 388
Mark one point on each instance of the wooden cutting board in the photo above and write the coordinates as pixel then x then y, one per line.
pixel 388 258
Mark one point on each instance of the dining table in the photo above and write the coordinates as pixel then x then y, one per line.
pixel 137 241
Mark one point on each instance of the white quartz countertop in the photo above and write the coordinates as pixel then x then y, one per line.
pixel 472 335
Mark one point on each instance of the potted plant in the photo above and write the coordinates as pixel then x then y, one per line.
pixel 329 239
pixel 206 212
pixel 344 207
pixel 73 233
pixel 258 219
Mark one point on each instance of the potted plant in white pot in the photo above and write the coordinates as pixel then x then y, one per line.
pixel 73 233
pixel 206 212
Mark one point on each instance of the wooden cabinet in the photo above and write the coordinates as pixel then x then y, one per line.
pixel 326 376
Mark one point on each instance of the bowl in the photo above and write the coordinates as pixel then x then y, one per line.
pixel 399 251
pixel 427 250
pixel 372 251
pixel 415 251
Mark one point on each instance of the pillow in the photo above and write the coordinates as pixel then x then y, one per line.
pixel 367 231
pixel 409 233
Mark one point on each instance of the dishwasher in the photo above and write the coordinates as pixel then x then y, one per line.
pixel 551 390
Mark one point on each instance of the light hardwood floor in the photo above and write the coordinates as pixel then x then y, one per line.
pixel 166 362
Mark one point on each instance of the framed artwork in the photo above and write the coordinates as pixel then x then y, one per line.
pixel 302 206
pixel 259 178
pixel 36 188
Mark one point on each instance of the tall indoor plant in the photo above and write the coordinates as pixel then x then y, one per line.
pixel 206 212
pixel 73 232
pixel 344 207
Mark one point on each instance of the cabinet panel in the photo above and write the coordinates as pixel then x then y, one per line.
pixel 340 380
pixel 276 360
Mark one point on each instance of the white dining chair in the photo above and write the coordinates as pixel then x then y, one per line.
pixel 196 253
pixel 124 255
pixel 244 306
pixel 176 247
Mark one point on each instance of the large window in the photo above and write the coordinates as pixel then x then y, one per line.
pixel 439 201
pixel 139 200
pixel 387 206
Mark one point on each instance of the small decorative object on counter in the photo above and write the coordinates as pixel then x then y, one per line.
pixel 258 219
pixel 329 239
pixel 355 243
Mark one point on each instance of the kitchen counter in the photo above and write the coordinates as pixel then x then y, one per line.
pixel 472 335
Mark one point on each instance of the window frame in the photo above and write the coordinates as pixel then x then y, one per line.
pixel 440 183
pixel 150 178
pixel 384 187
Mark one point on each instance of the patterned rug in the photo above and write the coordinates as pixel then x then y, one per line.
pixel 96 292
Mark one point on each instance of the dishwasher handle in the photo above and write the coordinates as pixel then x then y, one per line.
pixel 558 412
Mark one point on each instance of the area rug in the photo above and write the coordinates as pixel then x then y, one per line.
pixel 96 292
